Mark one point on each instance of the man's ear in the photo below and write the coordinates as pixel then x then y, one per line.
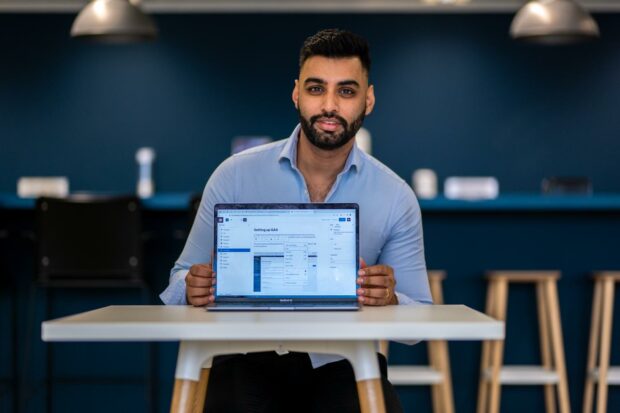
pixel 370 99
pixel 295 94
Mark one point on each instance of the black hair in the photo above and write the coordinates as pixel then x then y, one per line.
pixel 336 43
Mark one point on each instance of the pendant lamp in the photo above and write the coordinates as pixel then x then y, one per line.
pixel 553 22
pixel 113 21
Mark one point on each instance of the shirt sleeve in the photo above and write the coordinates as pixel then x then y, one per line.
pixel 404 250
pixel 199 245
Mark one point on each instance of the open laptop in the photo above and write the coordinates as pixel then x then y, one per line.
pixel 286 257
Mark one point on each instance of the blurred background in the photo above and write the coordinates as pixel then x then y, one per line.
pixel 455 93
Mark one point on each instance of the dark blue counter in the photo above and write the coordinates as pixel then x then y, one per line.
pixel 166 201
pixel 179 201
pixel 528 202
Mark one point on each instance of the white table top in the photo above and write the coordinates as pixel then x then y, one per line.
pixel 175 323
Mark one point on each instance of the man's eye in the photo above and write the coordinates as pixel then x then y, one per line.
pixel 315 89
pixel 347 92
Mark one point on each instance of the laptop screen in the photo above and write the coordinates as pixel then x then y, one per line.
pixel 286 250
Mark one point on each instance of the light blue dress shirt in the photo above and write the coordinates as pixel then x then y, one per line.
pixel 390 219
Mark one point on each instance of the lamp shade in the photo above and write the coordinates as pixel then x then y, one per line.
pixel 553 22
pixel 113 21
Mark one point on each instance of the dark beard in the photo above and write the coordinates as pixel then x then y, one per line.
pixel 328 140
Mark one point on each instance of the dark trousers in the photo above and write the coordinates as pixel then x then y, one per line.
pixel 266 383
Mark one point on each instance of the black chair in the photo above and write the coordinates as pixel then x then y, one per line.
pixel 8 289
pixel 90 241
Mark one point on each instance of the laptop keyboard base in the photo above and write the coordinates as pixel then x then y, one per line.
pixel 272 307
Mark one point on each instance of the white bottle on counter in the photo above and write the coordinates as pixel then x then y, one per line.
pixel 424 182
pixel 364 140
pixel 145 158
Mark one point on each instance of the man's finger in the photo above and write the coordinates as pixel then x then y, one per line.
pixel 199 281
pixel 379 293
pixel 200 301
pixel 372 301
pixel 196 291
pixel 376 270
pixel 210 276
pixel 198 295
pixel 201 292
pixel 383 280
pixel 201 270
pixel 362 263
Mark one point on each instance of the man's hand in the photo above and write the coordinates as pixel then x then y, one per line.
pixel 199 285
pixel 377 285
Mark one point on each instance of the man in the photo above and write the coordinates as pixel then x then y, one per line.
pixel 319 162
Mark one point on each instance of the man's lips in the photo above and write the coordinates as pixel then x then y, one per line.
pixel 328 125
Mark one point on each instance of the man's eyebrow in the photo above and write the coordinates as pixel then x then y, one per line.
pixel 348 83
pixel 320 81
pixel 314 80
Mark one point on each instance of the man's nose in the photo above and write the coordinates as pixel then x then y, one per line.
pixel 330 103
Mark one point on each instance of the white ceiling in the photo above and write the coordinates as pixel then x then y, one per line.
pixel 302 6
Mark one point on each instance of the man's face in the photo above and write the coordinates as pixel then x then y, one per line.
pixel 332 97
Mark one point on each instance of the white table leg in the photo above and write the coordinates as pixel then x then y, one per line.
pixel 196 355
pixel 368 377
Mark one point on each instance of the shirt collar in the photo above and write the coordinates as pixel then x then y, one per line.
pixel 289 151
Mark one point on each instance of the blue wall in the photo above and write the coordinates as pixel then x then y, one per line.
pixel 454 93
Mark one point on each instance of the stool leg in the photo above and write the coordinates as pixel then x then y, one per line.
pixel 557 343
pixel 436 293
pixel 486 347
pixel 437 354
pixel 443 357
pixel 433 358
pixel 436 389
pixel 595 328
pixel 545 348
pixel 201 391
pixel 497 348
pixel 603 365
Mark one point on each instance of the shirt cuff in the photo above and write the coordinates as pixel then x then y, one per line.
pixel 174 294
pixel 406 300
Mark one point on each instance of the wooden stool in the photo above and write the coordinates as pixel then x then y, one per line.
pixel 602 317
pixel 553 370
pixel 437 374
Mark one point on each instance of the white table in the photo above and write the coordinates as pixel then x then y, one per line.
pixel 203 335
